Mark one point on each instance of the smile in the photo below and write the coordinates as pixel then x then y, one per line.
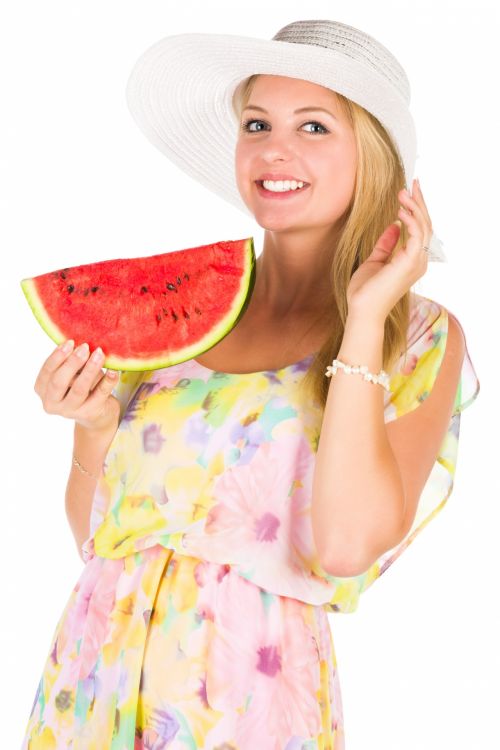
pixel 280 195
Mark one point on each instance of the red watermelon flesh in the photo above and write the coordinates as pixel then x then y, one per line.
pixel 149 312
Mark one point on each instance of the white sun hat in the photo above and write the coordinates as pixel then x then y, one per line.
pixel 180 93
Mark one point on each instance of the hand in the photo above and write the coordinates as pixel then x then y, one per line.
pixel 379 282
pixel 77 389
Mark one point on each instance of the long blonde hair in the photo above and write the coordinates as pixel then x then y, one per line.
pixel 373 206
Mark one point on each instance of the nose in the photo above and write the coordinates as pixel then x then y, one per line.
pixel 275 145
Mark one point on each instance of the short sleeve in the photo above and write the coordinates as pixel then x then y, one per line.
pixel 124 390
pixel 411 381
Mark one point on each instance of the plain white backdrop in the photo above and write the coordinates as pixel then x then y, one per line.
pixel 419 660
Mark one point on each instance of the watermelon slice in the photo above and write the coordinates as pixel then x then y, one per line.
pixel 148 312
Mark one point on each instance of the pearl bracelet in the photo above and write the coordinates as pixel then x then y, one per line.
pixel 77 463
pixel 382 378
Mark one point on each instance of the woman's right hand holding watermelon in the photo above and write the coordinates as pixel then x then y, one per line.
pixel 75 387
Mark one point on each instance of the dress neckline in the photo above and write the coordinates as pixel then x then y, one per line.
pixel 258 372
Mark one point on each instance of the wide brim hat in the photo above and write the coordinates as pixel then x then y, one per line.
pixel 180 93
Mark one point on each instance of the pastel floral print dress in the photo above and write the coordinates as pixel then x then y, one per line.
pixel 200 618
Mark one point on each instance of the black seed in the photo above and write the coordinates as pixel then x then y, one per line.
pixel 86 292
pixel 71 288
pixel 186 276
pixel 63 275
pixel 186 314
pixel 171 286
pixel 179 280
pixel 175 317
pixel 94 289
pixel 165 311
pixel 197 311
pixel 158 318
pixel 144 289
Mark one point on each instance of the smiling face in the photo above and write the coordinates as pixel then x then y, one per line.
pixel 317 147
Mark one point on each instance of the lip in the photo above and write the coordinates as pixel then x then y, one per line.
pixel 288 194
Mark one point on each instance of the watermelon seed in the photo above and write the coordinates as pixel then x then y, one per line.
pixel 179 280
pixel 71 288
pixel 175 317
pixel 186 314
pixel 186 276
pixel 144 289
pixel 63 275
pixel 171 286
pixel 197 311
pixel 86 292
pixel 158 318
pixel 94 289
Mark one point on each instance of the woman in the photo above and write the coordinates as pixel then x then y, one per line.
pixel 238 497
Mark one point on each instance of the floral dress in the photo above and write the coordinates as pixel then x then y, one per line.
pixel 200 618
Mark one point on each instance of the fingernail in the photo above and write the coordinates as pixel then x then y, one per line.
pixel 67 346
pixel 82 351
pixel 97 355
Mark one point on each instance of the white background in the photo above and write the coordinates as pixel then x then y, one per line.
pixel 419 661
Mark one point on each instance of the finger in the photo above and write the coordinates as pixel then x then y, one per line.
pixel 417 194
pixel 416 238
pixel 50 365
pixel 84 381
pixel 97 378
pixel 385 244
pixel 414 210
pixel 101 391
pixel 62 378
pixel 410 203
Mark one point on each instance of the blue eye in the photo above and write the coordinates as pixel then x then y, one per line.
pixel 246 126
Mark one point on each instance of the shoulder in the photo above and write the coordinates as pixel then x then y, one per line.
pixel 429 321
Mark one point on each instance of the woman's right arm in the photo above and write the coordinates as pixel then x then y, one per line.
pixel 90 447
pixel 75 387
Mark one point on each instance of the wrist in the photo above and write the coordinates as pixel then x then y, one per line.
pixel 95 433
pixel 370 321
pixel 362 342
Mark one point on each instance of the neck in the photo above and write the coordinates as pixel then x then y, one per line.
pixel 293 272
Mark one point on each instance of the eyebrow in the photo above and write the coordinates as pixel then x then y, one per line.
pixel 301 109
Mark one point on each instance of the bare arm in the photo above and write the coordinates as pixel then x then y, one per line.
pixel 369 475
pixel 358 497
pixel 73 385
pixel 90 447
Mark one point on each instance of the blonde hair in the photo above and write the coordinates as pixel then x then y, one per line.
pixel 373 206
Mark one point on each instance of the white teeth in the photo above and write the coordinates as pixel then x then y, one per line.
pixel 280 186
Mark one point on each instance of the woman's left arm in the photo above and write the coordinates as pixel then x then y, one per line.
pixel 369 475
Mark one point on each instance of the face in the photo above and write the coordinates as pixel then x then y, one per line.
pixel 315 146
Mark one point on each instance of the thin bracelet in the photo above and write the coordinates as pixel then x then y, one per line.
pixel 77 463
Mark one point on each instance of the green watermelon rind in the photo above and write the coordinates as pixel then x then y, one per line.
pixel 216 334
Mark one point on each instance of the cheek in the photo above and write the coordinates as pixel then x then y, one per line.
pixel 338 170
pixel 241 164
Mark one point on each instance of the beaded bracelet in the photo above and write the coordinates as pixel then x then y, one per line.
pixel 77 463
pixel 382 378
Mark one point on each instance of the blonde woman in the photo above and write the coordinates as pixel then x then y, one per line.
pixel 223 506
